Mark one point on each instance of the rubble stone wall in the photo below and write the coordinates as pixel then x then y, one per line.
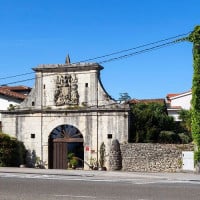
pixel 147 157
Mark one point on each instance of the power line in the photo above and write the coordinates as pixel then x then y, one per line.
pixel 111 59
pixel 10 83
pixel 16 75
pixel 115 58
pixel 114 53
pixel 141 46
pixel 138 52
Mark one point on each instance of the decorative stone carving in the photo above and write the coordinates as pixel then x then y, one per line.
pixel 66 92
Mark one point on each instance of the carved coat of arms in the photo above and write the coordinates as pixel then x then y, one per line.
pixel 66 92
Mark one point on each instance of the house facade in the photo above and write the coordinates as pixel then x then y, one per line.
pixel 12 96
pixel 177 102
pixel 67 111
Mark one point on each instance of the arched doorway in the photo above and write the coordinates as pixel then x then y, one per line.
pixel 65 139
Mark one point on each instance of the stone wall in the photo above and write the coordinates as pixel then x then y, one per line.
pixel 147 157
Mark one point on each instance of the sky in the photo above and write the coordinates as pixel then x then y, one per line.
pixel 37 32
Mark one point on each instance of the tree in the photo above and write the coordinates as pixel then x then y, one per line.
pixel 194 37
pixel 185 117
pixel 150 123
pixel 124 97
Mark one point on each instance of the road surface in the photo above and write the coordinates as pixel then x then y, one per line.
pixel 23 186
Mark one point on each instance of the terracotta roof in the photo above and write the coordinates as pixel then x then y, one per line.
pixel 11 91
pixel 172 95
pixel 174 107
pixel 169 96
pixel 17 88
pixel 134 101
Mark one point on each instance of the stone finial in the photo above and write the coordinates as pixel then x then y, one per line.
pixel 115 158
pixel 67 60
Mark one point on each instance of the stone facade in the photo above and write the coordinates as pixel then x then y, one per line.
pixel 69 95
pixel 147 157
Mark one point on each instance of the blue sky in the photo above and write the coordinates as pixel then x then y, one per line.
pixel 44 31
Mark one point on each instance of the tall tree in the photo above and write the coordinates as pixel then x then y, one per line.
pixel 194 37
pixel 148 120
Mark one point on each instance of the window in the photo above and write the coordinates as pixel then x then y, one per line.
pixel 109 136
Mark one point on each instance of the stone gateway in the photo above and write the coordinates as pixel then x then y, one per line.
pixel 68 112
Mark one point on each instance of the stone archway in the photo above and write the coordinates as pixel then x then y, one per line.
pixel 65 139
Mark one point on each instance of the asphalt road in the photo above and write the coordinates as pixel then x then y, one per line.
pixel 15 186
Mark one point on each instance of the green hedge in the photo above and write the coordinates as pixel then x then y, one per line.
pixel 194 37
pixel 12 151
pixel 170 137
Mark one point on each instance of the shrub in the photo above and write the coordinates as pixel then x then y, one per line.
pixel 149 119
pixel 197 156
pixel 168 137
pixel 12 151
pixel 74 162
pixel 184 138
pixel 152 135
pixel 102 155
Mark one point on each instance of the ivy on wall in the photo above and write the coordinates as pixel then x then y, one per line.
pixel 194 37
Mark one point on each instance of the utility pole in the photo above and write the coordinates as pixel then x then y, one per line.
pixel 97 102
pixel 41 122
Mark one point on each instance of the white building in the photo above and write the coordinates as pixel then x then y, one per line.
pixel 11 96
pixel 177 102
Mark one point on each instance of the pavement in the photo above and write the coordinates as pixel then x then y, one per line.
pixel 121 175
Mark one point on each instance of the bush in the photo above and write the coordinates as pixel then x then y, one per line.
pixel 149 119
pixel 184 138
pixel 152 135
pixel 74 162
pixel 197 156
pixel 12 151
pixel 168 137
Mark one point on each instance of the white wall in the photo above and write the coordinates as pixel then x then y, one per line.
pixel 6 101
pixel 183 100
pixel 174 113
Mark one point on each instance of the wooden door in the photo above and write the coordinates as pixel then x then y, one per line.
pixel 59 155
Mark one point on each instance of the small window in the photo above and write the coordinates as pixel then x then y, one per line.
pixel 86 84
pixel 32 135
pixel 33 103
pixel 44 86
pixel 109 136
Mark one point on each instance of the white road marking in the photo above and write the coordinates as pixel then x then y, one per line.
pixel 74 196
pixel 135 181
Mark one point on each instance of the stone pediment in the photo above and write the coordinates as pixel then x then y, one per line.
pixel 68 67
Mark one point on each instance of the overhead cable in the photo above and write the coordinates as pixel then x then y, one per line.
pixel 177 39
